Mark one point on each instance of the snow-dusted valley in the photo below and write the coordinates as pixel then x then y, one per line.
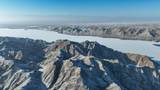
pixel 42 58
pixel 148 48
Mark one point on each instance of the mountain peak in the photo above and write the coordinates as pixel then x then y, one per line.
pixel 65 64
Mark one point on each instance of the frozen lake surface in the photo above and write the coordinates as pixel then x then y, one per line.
pixel 132 46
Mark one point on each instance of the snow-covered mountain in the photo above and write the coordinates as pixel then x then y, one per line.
pixel 27 64
pixel 149 32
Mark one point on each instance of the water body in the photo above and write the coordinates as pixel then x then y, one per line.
pixel 129 46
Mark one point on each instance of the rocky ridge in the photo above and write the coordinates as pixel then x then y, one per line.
pixel 27 64
pixel 148 32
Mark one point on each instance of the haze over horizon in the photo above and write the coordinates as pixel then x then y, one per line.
pixel 79 11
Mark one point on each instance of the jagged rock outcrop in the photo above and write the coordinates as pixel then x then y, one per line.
pixel 27 64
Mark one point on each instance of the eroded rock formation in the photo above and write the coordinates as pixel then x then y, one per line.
pixel 27 64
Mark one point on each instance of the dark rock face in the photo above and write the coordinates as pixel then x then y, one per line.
pixel 149 32
pixel 67 65
pixel 158 45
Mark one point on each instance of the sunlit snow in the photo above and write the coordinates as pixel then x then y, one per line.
pixel 131 46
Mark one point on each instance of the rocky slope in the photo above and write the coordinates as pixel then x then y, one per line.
pixel 27 64
pixel 149 32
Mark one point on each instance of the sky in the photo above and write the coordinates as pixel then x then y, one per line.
pixel 79 11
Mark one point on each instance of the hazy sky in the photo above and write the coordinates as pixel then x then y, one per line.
pixel 79 10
